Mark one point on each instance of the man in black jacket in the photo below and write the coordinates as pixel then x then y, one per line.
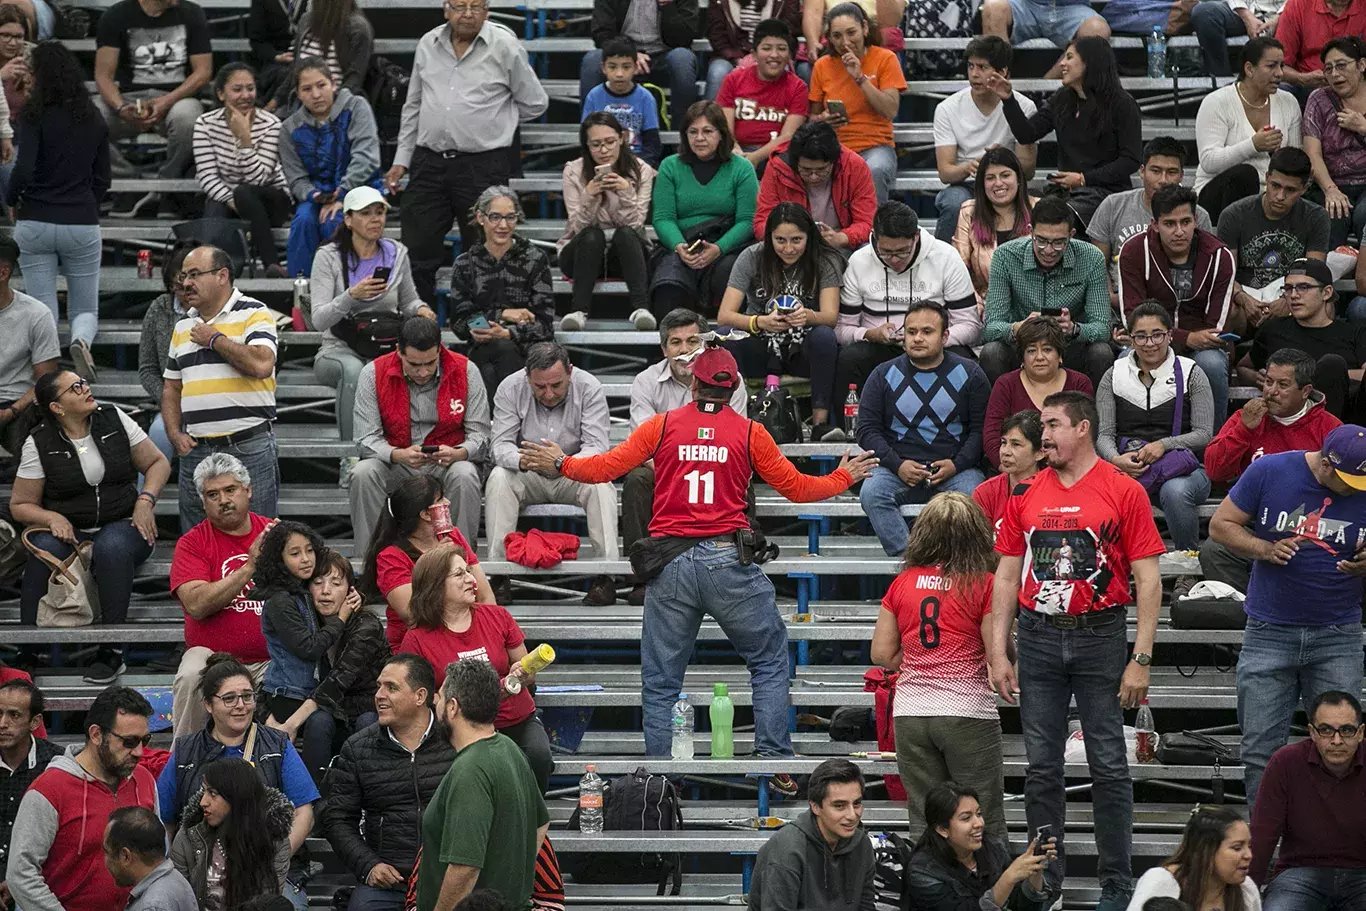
pixel 387 773
pixel 663 31
pixel 23 757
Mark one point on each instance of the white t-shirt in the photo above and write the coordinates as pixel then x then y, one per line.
pixel 92 463
pixel 959 122
pixel 1159 883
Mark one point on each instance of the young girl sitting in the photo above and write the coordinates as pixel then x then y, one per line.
pixel 297 639
pixel 351 668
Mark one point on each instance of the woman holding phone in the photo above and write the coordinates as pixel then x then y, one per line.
pixel 361 291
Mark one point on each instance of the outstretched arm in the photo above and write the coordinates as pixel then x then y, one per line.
pixel 774 467
pixel 638 448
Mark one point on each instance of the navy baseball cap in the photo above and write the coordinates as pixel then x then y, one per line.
pixel 1345 449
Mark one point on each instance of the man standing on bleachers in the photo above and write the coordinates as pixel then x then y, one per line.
pixel 1301 517
pixel 220 383
pixel 659 390
pixel 419 410
pixel 469 86
pixel 28 349
pixel 1069 544
pixel 211 578
pixel 152 57
pixel 551 400
pixel 701 557
pixel 23 757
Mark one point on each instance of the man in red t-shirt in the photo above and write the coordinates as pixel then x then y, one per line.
pixel 1085 528
pixel 704 456
pixel 766 102
pixel 211 578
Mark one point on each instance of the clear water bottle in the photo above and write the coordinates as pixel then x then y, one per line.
pixel 851 410
pixel 682 728
pixel 1157 53
pixel 301 294
pixel 1146 731
pixel 590 802
pixel 722 723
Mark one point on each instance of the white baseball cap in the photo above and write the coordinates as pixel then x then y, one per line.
pixel 362 198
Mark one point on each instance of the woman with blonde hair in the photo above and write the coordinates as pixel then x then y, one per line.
pixel 446 623
pixel 933 628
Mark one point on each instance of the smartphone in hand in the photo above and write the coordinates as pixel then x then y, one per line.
pixel 383 272
pixel 1041 839
pixel 478 321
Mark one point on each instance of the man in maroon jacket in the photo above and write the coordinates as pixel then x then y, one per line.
pixel 1190 273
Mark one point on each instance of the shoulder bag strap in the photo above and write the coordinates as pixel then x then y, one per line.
pixel 250 746
pixel 61 567
pixel 1180 396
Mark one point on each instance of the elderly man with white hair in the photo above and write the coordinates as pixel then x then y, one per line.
pixel 211 578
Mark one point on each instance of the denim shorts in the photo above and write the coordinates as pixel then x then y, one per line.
pixel 1058 22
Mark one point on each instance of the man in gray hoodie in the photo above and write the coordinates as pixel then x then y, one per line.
pixel 823 861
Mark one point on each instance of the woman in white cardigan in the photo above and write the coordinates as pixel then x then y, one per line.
pixel 1208 872
pixel 1239 126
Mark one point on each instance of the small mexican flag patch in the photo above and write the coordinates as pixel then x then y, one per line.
pixel 706 433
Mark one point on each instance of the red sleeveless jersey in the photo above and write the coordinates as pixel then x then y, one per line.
pixel 702 472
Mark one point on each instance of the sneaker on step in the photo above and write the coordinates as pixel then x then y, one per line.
pixel 783 784
pixel 574 322
pixel 643 319
pixel 1114 897
pixel 106 667
pixel 83 359
pixel 827 433
pixel 345 468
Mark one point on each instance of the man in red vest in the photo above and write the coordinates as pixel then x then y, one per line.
pixel 419 410
pixel 704 455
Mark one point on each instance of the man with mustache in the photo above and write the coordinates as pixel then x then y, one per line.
pixel 211 578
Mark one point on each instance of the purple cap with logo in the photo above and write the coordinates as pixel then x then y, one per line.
pixel 1345 449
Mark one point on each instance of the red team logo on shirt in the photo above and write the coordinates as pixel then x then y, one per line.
pixel 241 603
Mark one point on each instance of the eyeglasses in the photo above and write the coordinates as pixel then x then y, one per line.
pixel 465 10
pixel 78 387
pixel 1147 338
pixel 896 254
pixel 232 700
pixel 195 274
pixel 498 218
pixel 823 171
pixel 1328 732
pixel 597 145
pixel 702 133
pixel 1300 288
pixel 132 743
pixel 9 38
pixel 1328 68
pixel 1043 243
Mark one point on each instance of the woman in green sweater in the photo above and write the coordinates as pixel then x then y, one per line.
pixel 703 212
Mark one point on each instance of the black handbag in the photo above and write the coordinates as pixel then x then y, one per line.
pixel 1207 613
pixel 776 409
pixel 1192 748
pixel 369 334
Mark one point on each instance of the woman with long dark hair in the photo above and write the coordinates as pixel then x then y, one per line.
pixel 1208 872
pixel 998 212
pixel 607 196
pixel 1098 125
pixel 339 34
pixel 416 519
pixel 234 845
pixel 943 708
pixel 60 175
pixel 959 866
pixel 1238 127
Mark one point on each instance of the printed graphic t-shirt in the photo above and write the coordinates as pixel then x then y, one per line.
pixel 1286 500
pixel 761 106
pixel 206 554
pixel 154 52
pixel 492 632
pixel 636 112
pixel 1078 542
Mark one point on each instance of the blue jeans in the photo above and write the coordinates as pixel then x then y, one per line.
pixel 1180 498
pixel 1281 667
pixel 675 69
pixel 709 580
pixel 718 68
pixel 881 162
pixel 119 551
pixel 306 235
pixel 1355 222
pixel 1317 889
pixel 947 202
pixel 884 493
pixel 1214 362
pixel 368 898
pixel 261 457
pixel 1214 23
pixel 74 251
pixel 1055 666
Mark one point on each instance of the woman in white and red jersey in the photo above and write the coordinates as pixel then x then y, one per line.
pixel 933 628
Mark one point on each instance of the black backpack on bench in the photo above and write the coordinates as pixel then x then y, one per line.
pixel 639 802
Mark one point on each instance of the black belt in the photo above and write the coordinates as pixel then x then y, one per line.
pixel 1083 621
pixel 449 154
pixel 232 439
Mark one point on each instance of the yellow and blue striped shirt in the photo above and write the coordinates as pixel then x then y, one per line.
pixel 216 399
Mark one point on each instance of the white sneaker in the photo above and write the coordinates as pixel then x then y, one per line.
pixel 574 322
pixel 643 319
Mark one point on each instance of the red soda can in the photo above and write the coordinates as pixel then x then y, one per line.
pixel 144 264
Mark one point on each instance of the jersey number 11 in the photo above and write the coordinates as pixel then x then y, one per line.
pixel 701 483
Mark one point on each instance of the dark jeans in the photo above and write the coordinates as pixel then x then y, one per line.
pixel 815 359
pixel 119 551
pixel 368 898
pixel 637 505
pixel 530 735
pixel 589 254
pixel 497 360
pixel 263 208
pixel 1331 378
pixel 700 292
pixel 318 736
pixel 1055 666
pixel 1219 564
pixel 1227 187
pixel 1091 358
pixel 1316 889
pixel 441 191
pixel 1214 23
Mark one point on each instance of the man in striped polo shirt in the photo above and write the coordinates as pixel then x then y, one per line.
pixel 220 383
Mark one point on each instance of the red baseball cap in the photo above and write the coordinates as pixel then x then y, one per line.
pixel 716 366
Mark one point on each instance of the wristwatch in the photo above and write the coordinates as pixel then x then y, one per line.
pixel 559 464
pixel 1142 659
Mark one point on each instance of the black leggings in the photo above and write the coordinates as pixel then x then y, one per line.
pixel 584 257
pixel 1227 187
pixel 320 736
pixel 262 208
pixel 497 360
pixel 530 735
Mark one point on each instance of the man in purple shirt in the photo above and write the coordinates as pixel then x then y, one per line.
pixel 1312 801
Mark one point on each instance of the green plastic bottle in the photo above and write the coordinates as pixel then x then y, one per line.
pixel 722 723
